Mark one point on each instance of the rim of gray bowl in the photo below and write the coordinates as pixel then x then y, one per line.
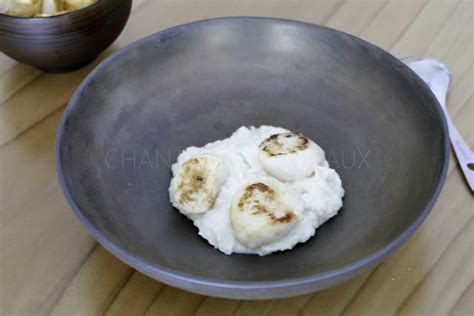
pixel 250 289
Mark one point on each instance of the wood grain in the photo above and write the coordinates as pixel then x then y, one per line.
pixel 49 264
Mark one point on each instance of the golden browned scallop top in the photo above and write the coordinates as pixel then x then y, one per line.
pixel 197 182
pixel 260 198
pixel 284 143
pixel 193 181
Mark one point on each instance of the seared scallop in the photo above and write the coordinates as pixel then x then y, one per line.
pixel 197 182
pixel 263 212
pixel 289 156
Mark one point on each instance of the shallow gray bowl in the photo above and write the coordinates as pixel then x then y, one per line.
pixel 381 127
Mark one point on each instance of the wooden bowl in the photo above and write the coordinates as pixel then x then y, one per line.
pixel 64 42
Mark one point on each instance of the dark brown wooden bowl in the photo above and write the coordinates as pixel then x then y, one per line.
pixel 64 42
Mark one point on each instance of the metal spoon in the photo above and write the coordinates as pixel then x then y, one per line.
pixel 437 77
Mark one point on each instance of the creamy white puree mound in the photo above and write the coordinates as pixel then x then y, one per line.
pixel 259 191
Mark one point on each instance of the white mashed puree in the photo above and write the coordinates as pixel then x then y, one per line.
pixel 256 193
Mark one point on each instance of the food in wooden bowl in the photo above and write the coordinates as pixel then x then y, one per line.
pixel 42 8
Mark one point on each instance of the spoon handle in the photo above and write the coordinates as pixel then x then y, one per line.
pixel 437 77
pixel 463 153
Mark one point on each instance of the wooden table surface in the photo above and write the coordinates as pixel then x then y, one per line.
pixel 50 264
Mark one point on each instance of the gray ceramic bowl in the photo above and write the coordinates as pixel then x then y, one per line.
pixel 380 125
